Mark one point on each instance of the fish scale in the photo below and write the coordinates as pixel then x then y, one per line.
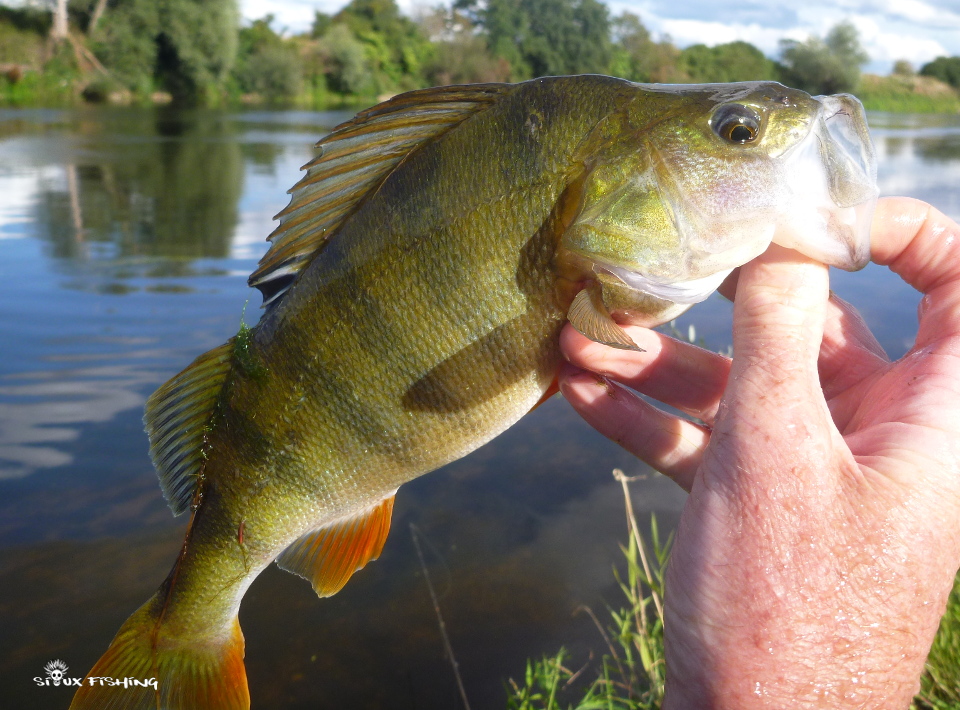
pixel 414 294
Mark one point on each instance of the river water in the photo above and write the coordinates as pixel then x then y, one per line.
pixel 125 240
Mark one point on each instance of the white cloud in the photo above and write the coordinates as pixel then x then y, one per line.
pixel 295 16
pixel 919 12
pixel 885 46
pixel 687 32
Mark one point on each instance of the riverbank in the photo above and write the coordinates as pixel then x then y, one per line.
pixel 907 94
pixel 60 85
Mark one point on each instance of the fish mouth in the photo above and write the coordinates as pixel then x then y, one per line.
pixel 831 180
pixel 683 292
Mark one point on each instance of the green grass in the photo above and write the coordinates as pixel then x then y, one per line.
pixel 632 672
pixel 940 683
pixel 907 94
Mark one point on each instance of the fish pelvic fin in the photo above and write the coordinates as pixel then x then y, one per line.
pixel 178 419
pixel 590 317
pixel 354 161
pixel 328 557
pixel 164 673
pixel 552 389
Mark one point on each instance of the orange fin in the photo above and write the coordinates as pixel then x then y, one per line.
pixel 328 557
pixel 551 390
pixel 207 674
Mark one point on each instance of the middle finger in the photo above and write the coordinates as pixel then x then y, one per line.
pixel 678 374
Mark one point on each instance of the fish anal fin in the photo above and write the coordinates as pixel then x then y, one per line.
pixel 354 161
pixel 200 673
pixel 177 419
pixel 328 557
pixel 590 317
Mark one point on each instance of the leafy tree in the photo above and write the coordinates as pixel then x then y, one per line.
pixel 546 37
pixel 734 61
pixel 638 57
pixel 366 49
pixel 266 64
pixel 321 23
pixel 824 66
pixel 349 71
pixel 186 47
pixel 946 69
pixel 394 44
pixel 461 55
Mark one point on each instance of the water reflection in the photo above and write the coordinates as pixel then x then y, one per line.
pixel 38 408
pixel 919 156
pixel 125 239
pixel 169 187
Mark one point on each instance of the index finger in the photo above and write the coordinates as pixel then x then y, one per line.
pixel 922 246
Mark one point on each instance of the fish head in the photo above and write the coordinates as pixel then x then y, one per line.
pixel 696 181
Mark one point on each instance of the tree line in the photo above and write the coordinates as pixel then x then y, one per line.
pixel 196 51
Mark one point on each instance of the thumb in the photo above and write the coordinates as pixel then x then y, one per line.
pixel 778 317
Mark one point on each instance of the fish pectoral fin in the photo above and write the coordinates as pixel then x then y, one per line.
pixel 328 557
pixel 590 317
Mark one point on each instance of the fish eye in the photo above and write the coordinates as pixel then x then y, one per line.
pixel 736 123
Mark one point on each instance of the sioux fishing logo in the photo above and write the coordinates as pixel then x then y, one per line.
pixel 57 670
pixel 57 675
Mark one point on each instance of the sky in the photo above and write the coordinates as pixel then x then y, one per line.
pixel 915 30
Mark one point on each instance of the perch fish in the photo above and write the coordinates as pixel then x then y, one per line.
pixel 414 294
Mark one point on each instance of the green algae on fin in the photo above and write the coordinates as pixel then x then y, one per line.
pixel 244 356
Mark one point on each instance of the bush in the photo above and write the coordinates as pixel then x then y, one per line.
pixel 946 69
pixel 735 61
pixel 19 44
pixel 266 64
pixel 824 66
pixel 186 47
pixel 272 72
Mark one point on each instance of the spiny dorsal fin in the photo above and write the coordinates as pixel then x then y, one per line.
pixel 176 419
pixel 328 557
pixel 354 160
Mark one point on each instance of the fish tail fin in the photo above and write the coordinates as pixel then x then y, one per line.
pixel 143 669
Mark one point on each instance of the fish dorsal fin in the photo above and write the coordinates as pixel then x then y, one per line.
pixel 177 419
pixel 354 160
pixel 328 557
pixel 590 317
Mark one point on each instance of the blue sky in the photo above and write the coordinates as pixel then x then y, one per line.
pixel 916 30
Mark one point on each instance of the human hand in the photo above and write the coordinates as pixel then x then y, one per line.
pixel 821 536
